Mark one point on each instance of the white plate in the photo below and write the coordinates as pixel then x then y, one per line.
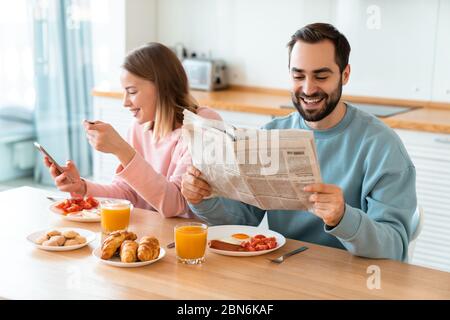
pixel 220 232
pixel 80 216
pixel 115 261
pixel 89 235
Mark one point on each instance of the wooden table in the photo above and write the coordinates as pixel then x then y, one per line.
pixel 318 273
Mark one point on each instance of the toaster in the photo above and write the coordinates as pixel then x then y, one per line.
pixel 206 74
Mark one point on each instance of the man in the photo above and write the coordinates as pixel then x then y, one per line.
pixel 367 201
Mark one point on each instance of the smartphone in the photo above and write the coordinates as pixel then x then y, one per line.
pixel 45 153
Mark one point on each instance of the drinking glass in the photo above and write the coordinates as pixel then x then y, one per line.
pixel 190 242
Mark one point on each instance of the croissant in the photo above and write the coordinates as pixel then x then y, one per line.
pixel 114 241
pixel 148 248
pixel 128 251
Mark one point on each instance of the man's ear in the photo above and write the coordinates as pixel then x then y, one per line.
pixel 346 75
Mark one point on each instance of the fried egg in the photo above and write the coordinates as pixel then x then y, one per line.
pixel 236 238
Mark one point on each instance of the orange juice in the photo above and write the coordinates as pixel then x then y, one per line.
pixel 115 215
pixel 190 242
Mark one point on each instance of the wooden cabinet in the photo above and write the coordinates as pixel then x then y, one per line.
pixel 392 47
pixel 430 154
pixel 408 60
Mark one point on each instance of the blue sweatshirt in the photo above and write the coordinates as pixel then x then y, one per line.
pixel 368 161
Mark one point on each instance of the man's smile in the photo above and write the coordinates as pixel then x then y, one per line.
pixel 311 103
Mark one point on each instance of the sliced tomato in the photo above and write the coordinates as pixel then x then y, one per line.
pixel 92 202
pixel 63 204
pixel 245 244
pixel 272 244
pixel 256 242
pixel 77 204
pixel 87 206
pixel 259 236
pixel 261 247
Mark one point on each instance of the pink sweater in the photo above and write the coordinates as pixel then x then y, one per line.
pixel 152 179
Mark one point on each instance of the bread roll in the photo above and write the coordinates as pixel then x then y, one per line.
pixel 148 248
pixel 128 251
pixel 71 242
pixel 41 239
pixel 70 234
pixel 59 239
pixel 51 243
pixel 114 241
pixel 80 239
pixel 53 233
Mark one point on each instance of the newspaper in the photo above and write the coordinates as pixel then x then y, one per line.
pixel 264 168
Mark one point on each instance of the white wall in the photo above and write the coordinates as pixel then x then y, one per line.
pixel 108 35
pixel 251 35
pixel 119 26
pixel 140 25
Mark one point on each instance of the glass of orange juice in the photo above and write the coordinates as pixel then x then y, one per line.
pixel 115 215
pixel 190 242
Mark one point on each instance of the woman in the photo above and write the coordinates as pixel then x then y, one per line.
pixel 153 159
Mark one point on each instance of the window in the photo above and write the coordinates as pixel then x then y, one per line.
pixel 16 54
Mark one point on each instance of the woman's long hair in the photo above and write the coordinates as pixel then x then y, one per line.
pixel 158 64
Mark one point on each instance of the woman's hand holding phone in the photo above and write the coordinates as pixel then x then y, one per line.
pixel 69 180
pixel 104 138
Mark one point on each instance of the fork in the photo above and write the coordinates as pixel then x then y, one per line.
pixel 286 255
pixel 171 245
pixel 54 199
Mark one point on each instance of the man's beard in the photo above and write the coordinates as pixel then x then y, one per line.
pixel 331 102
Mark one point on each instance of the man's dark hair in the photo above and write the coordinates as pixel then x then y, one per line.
pixel 316 32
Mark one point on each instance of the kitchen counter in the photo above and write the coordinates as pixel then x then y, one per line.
pixel 427 116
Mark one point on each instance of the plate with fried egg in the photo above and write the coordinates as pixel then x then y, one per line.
pixel 243 241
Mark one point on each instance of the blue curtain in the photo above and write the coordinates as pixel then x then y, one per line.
pixel 64 80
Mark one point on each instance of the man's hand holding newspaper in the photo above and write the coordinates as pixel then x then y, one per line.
pixel 264 168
